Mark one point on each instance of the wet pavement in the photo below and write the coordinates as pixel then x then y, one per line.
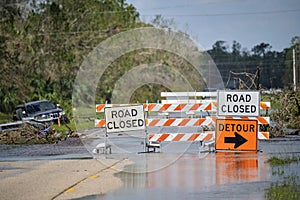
pixel 66 149
pixel 187 171
pixel 180 171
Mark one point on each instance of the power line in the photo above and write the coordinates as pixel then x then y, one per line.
pixel 231 14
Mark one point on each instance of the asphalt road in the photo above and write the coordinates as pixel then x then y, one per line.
pixel 68 170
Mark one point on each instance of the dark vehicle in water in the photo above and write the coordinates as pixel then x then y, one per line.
pixel 41 111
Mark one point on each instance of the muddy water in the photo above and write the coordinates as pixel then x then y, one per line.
pixel 222 175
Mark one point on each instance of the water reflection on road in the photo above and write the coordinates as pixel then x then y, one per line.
pixel 221 175
pixel 191 176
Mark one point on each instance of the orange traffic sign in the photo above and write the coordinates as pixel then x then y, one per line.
pixel 233 134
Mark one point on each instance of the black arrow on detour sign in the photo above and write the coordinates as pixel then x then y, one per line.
pixel 238 140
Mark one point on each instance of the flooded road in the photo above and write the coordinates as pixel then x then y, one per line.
pixel 67 149
pixel 179 171
pixel 194 175
pixel 219 175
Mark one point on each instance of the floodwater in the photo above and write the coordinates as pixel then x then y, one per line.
pixel 184 171
pixel 71 148
pixel 180 170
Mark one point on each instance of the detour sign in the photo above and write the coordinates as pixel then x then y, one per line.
pixel 232 134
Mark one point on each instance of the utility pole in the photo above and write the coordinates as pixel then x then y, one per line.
pixel 294 71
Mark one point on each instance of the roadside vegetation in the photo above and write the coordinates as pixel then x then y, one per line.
pixel 288 189
pixel 276 161
pixel 285 113
pixel 4 117
pixel 43 43
pixel 288 186
pixel 36 133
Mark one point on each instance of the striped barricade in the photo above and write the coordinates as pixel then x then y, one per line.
pixel 100 107
pixel 167 107
pixel 177 107
pixel 181 107
pixel 169 122
pixel 99 123
pixel 263 135
pixel 180 122
pixel 265 105
pixel 209 121
pixel 181 137
pixel 201 137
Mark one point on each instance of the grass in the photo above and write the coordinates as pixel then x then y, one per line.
pixel 288 187
pixel 275 161
pixel 275 104
pixel 65 127
pixel 5 118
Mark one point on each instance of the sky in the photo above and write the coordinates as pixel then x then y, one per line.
pixel 249 22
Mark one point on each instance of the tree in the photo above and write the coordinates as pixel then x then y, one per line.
pixel 236 49
pixel 261 49
pixel 42 45
pixel 271 63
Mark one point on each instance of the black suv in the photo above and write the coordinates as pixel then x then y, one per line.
pixel 41 111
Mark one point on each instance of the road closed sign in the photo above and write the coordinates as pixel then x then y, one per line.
pixel 240 135
pixel 124 118
pixel 238 103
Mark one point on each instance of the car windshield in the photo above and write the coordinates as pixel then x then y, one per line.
pixel 40 107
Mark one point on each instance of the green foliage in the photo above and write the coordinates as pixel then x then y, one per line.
pixel 42 45
pixel 276 161
pixel 151 92
pixel 287 190
pixel 64 128
pixel 4 118
pixel 287 186
pixel 288 109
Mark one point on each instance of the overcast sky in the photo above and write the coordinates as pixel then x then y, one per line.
pixel 249 22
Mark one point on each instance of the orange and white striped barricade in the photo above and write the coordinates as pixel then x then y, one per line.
pixel 180 122
pixel 263 135
pixel 208 121
pixel 178 107
pixel 100 107
pixel 181 137
pixel 205 136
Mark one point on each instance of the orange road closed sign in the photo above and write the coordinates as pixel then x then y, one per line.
pixel 233 134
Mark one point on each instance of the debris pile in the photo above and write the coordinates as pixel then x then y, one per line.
pixel 30 134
